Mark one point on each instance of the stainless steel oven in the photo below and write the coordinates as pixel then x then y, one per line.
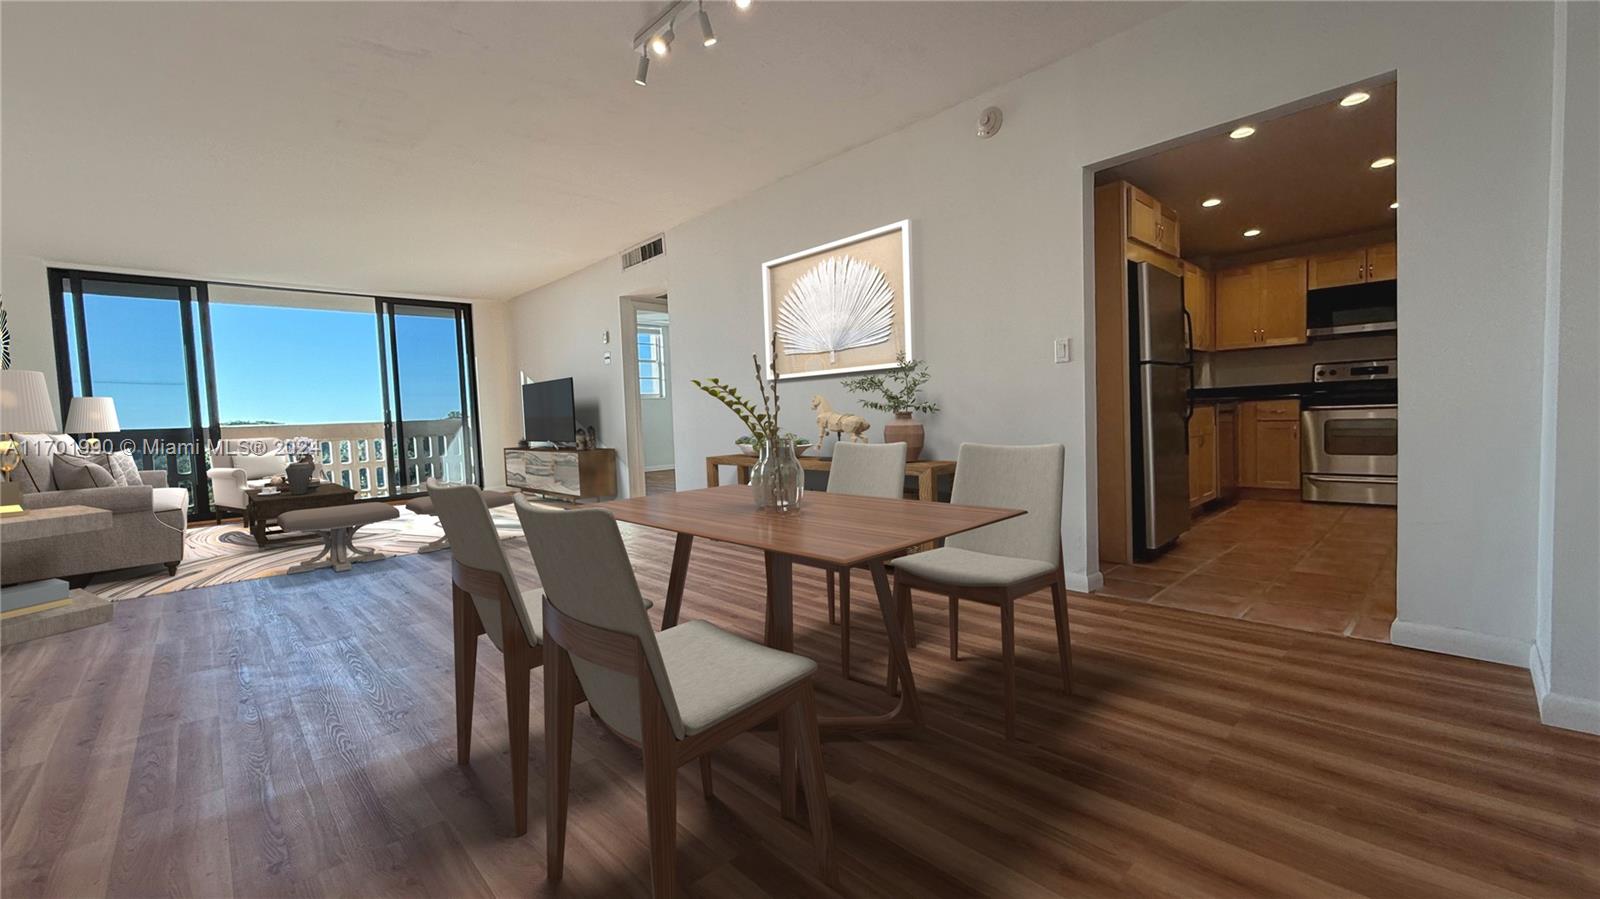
pixel 1350 446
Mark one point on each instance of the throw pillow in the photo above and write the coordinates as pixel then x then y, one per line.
pixel 122 467
pixel 78 473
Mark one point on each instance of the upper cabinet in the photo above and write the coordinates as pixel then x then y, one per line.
pixel 1261 305
pixel 1151 223
pixel 1362 265
pixel 1197 301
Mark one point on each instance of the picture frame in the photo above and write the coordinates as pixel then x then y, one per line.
pixel 864 265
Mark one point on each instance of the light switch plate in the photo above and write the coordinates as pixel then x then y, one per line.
pixel 605 336
pixel 608 358
pixel 1063 348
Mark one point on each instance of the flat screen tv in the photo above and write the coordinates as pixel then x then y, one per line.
pixel 547 413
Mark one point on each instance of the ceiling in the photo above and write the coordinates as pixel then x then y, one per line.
pixel 1300 177
pixel 455 149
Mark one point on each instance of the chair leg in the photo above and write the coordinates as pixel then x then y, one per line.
pixel 1008 645
pixel 1058 598
pixel 955 628
pixel 466 631
pixel 831 617
pixel 788 782
pixel 661 803
pixel 805 713
pixel 844 622
pixel 705 776
pixel 558 703
pixel 518 668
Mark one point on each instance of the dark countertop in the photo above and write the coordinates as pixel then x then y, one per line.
pixel 1251 392
pixel 1345 393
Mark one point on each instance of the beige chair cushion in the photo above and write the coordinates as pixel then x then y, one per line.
pixel 963 567
pixel 716 675
pixel 494 499
pixel 348 516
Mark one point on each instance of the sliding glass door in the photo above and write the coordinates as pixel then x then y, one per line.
pixel 384 388
pixel 133 339
pixel 433 405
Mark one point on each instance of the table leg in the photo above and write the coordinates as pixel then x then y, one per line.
pixel 675 580
pixel 907 712
pixel 780 602
pixel 927 486
pixel 713 474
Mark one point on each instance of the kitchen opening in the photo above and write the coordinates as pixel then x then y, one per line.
pixel 1245 286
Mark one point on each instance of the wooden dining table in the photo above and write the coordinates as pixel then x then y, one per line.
pixel 829 531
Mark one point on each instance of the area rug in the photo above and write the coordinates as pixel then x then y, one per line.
pixel 226 554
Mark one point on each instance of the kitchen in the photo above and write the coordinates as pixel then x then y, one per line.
pixel 1246 286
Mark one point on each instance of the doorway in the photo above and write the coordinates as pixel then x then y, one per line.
pixel 647 338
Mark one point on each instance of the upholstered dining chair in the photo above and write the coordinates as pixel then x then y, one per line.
pixel 1003 562
pixel 487 598
pixel 860 469
pixel 677 694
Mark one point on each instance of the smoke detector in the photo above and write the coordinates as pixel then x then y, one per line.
pixel 989 122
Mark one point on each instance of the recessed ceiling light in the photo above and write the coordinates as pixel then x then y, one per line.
pixel 1395 205
pixel 1242 132
pixel 1383 162
pixel 1253 232
pixel 1356 99
pixel 1214 201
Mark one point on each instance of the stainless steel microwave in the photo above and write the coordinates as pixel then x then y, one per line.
pixel 1353 309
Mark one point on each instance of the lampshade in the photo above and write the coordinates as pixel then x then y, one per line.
pixel 25 403
pixel 92 415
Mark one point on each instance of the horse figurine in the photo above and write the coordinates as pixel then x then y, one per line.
pixel 840 423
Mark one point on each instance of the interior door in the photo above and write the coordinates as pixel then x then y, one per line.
pixel 432 408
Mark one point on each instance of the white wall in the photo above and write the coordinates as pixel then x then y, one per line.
pixel 655 414
pixel 1566 656
pixel 999 262
pixel 26 293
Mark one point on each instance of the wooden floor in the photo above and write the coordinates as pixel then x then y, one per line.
pixel 293 736
pixel 1322 567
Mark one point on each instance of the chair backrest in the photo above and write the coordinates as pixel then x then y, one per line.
pixel 1012 477
pixel 475 542
pixel 586 576
pixel 868 469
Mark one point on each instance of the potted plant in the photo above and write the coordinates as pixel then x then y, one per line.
pixel 897 391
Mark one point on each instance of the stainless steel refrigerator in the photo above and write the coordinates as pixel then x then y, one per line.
pixel 1163 373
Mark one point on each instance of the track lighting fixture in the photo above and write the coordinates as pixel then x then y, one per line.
pixel 661 44
pixel 642 75
pixel 742 4
pixel 705 27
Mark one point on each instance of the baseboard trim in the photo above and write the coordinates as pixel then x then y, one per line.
pixel 1457 642
pixel 1079 582
pixel 667 467
pixel 1561 710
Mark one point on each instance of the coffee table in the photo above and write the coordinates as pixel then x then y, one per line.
pixel 263 510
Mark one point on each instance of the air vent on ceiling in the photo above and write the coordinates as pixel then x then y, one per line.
pixel 644 252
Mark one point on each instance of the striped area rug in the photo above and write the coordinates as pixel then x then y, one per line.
pixel 226 553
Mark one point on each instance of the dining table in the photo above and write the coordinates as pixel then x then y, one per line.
pixel 827 530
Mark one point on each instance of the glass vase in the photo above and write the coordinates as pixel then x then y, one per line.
pixel 777 478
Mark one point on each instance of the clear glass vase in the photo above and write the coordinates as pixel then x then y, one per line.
pixel 777 477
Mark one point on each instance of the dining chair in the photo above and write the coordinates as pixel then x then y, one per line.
pixel 487 598
pixel 860 469
pixel 678 694
pixel 1002 562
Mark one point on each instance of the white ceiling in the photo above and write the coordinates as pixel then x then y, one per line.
pixel 473 150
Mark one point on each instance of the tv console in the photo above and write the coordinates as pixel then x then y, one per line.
pixel 566 473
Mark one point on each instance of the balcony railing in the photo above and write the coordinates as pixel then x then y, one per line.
pixel 354 453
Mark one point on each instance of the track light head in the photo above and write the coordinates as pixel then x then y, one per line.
pixel 641 75
pixel 705 28
pixel 742 4
pixel 661 44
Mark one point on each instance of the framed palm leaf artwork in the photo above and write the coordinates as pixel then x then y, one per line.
pixel 841 308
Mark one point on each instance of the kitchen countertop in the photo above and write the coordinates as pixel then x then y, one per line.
pixel 1251 392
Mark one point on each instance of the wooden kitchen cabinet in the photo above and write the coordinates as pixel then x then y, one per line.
pixel 1198 301
pixel 1269 444
pixel 1151 223
pixel 1363 265
pixel 1261 305
pixel 1202 455
pixel 1227 451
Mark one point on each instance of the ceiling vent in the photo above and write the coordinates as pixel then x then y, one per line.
pixel 644 252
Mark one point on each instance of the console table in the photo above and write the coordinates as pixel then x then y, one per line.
pixel 927 472
pixel 574 474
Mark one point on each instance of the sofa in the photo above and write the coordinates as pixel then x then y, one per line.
pixel 148 520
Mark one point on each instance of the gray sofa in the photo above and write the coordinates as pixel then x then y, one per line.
pixel 148 521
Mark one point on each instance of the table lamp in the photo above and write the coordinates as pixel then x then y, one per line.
pixel 24 409
pixel 92 415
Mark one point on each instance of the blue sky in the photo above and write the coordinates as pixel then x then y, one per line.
pixel 283 364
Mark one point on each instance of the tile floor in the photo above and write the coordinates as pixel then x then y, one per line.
pixel 1307 566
